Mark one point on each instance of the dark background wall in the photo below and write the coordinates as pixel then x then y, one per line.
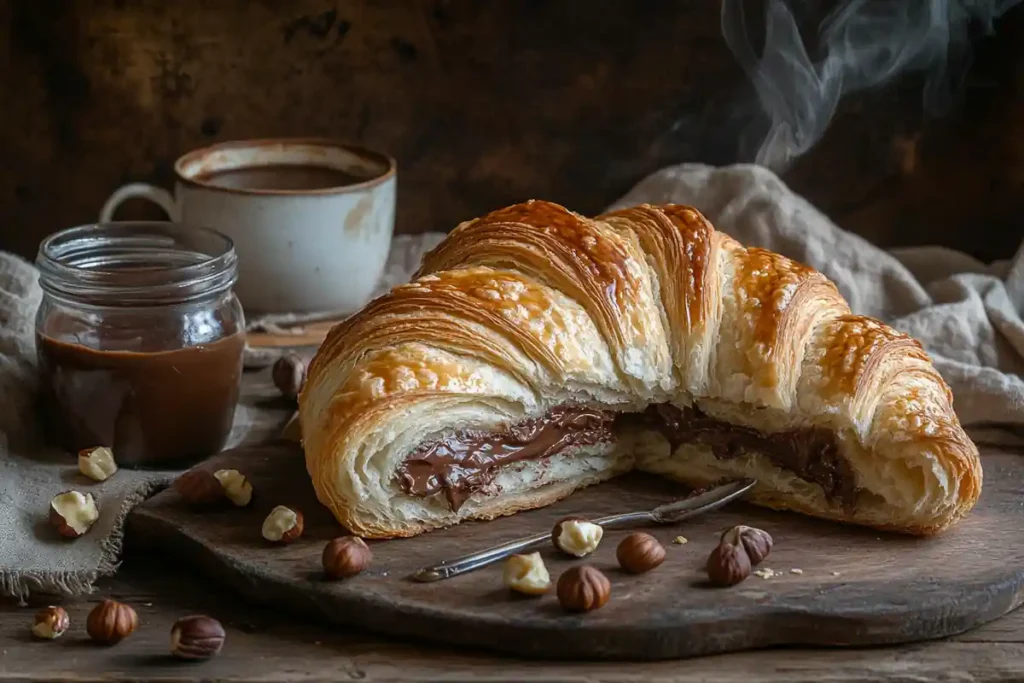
pixel 483 104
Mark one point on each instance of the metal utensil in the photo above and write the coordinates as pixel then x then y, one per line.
pixel 668 513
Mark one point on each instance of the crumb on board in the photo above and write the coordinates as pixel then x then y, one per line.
pixel 766 573
pixel 679 540
pixel 796 570
pixel 835 573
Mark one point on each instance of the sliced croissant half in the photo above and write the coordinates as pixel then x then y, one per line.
pixel 538 351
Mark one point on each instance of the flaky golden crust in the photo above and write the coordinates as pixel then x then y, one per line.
pixel 534 306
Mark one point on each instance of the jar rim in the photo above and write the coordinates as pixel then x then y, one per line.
pixel 136 263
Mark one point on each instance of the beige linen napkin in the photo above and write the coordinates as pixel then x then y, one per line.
pixel 967 314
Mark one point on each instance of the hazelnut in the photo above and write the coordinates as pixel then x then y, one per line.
pixel 50 622
pixel 289 374
pixel 97 463
pixel 236 487
pixel 199 486
pixel 577 537
pixel 110 622
pixel 196 637
pixel 757 542
pixel 346 556
pixel 582 589
pixel 73 513
pixel 639 553
pixel 282 525
pixel 527 574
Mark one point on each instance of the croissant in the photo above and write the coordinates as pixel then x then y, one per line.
pixel 537 351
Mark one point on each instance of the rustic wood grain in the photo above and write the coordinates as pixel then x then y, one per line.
pixel 889 589
pixel 483 104
pixel 267 644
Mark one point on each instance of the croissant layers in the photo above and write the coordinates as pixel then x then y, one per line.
pixel 538 351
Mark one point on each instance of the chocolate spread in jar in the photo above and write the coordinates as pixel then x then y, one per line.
pixel 149 407
pixel 467 460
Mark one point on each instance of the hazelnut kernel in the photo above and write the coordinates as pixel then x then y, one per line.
pixel 282 525
pixel 50 623
pixel 577 537
pixel 527 574
pixel 73 513
pixel 237 488
pixel 97 463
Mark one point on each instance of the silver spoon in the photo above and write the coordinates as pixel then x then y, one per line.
pixel 668 513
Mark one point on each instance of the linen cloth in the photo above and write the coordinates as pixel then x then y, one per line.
pixel 967 314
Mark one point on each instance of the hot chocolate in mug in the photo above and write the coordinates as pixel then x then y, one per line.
pixel 311 219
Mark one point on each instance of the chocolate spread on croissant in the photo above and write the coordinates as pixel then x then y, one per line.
pixel 811 454
pixel 467 460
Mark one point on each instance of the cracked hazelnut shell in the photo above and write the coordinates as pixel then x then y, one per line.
pixel 757 542
pixel 728 564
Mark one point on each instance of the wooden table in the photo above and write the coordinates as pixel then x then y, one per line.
pixel 264 645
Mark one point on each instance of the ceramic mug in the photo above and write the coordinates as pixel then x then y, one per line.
pixel 311 219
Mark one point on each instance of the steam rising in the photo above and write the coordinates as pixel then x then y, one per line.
pixel 862 43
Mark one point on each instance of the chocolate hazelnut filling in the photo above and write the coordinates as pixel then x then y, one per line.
pixel 811 454
pixel 468 460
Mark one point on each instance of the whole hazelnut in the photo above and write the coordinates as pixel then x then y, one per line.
pixel 196 637
pixel 757 542
pixel 582 589
pixel 237 487
pixel 110 622
pixel 346 556
pixel 639 552
pixel 282 525
pixel 97 463
pixel 73 513
pixel 576 536
pixel 199 486
pixel 50 622
pixel 527 574
pixel 289 374
pixel 728 564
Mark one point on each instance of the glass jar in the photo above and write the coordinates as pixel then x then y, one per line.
pixel 139 339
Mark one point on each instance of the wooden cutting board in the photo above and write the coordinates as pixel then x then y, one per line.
pixel 837 585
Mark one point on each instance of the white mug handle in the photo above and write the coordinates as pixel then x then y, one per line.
pixel 157 195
